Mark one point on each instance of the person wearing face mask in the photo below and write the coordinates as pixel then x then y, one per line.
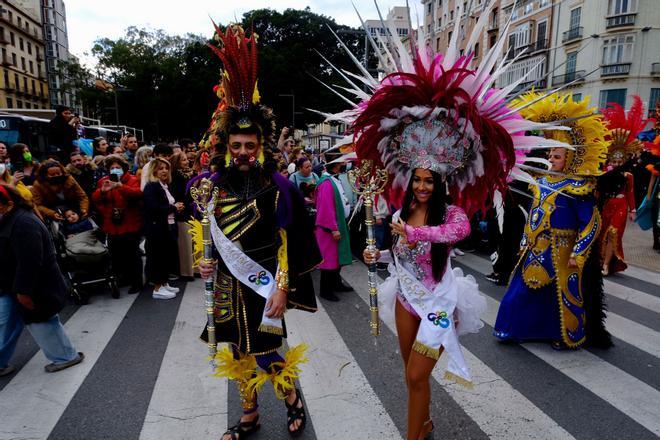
pixel 22 164
pixel 32 288
pixel 7 178
pixel 332 209
pixel 55 189
pixel 118 199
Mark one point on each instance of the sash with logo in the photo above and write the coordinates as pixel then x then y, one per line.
pixel 436 310
pixel 247 271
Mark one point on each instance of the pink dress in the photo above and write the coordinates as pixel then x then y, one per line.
pixel 418 259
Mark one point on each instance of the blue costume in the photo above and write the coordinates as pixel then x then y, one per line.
pixel 545 299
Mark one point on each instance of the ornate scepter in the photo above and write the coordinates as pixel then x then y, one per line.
pixel 369 181
pixel 203 195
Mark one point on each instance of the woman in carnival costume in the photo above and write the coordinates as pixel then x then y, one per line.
pixel 555 285
pixel 434 122
pixel 264 246
pixel 616 186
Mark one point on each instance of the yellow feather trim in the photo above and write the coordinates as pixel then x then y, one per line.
pixel 198 243
pixel 587 132
pixel 284 379
pixel 459 380
pixel 242 369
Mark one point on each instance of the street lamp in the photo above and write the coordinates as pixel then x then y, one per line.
pixel 293 109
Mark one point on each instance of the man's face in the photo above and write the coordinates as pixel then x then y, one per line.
pixel 288 146
pixel 103 146
pixel 132 143
pixel 244 150
pixel 277 156
pixel 78 161
pixel 557 159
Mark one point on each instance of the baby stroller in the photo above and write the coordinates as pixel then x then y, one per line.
pixel 85 261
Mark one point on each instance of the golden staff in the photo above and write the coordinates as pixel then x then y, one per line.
pixel 369 181
pixel 203 195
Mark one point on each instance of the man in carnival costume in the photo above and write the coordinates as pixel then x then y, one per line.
pixel 555 292
pixel 265 248
pixel 616 187
pixel 437 125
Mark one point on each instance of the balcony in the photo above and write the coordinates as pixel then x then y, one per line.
pixel 9 88
pixel 568 77
pixel 4 40
pixel 6 61
pixel 536 84
pixel 530 49
pixel 493 25
pixel 615 69
pixel 655 69
pixel 572 34
pixel 620 20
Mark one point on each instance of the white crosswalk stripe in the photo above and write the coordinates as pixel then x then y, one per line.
pixel 187 402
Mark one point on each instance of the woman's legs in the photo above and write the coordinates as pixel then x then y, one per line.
pixel 11 327
pixel 417 372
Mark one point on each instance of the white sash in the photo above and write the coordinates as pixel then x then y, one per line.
pixel 436 310
pixel 247 271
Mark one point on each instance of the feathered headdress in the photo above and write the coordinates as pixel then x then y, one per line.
pixel 623 142
pixel 240 102
pixel 587 149
pixel 434 111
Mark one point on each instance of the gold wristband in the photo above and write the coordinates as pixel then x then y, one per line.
pixel 282 279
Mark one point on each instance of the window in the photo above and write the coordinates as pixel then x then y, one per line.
pixel 13 59
pixel 34 88
pixel 543 3
pixel 575 18
pixel 19 104
pixel 19 21
pixel 613 95
pixel 12 38
pixel 437 44
pixel 27 26
pixel 23 63
pixel 28 105
pixel 571 63
pixel 655 97
pixel 21 44
pixel 31 67
pixel 451 15
pixel 476 50
pixel 440 22
pixel 491 41
pixel 577 97
pixel 429 9
pixel 617 7
pixel 618 49
pixel 541 34
pixel 449 37
pixel 29 48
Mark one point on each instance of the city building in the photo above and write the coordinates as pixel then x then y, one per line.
pixel 57 50
pixel 399 18
pixel 23 78
pixel 323 136
pixel 612 49
pixel 609 53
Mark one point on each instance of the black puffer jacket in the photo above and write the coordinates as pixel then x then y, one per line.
pixel 28 265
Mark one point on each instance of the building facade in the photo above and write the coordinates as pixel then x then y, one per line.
pixel 611 47
pixel 608 49
pixel 23 77
pixel 56 41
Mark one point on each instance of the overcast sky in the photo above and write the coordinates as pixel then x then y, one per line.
pixel 87 21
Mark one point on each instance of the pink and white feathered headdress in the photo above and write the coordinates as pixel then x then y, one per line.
pixel 434 111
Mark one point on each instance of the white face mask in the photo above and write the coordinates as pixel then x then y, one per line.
pixel 3 168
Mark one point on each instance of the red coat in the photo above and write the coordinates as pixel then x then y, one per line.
pixel 127 198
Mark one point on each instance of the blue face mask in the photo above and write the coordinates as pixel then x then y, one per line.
pixel 117 171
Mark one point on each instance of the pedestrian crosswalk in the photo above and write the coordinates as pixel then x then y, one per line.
pixel 145 375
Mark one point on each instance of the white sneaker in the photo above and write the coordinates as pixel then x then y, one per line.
pixel 172 289
pixel 163 293
pixel 458 252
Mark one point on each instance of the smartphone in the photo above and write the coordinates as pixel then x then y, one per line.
pixel 114 178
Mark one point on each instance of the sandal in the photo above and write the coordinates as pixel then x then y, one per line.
pixel 428 435
pixel 294 413
pixel 243 430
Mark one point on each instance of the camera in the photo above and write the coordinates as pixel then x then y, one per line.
pixel 114 178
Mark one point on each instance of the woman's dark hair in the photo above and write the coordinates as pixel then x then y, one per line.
pixel 15 153
pixel 300 162
pixel 42 173
pixel 435 216
pixel 95 145
pixel 8 193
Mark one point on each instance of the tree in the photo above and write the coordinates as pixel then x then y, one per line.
pixel 168 79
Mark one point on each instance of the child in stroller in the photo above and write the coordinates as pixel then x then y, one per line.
pixel 83 257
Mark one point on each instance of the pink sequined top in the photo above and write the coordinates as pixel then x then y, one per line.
pixel 418 259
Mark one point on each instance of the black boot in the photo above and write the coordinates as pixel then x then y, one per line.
pixel 339 284
pixel 327 284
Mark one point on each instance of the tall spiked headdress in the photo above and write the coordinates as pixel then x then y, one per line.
pixel 623 142
pixel 240 103
pixel 435 111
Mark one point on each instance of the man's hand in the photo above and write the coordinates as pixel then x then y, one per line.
pixel 336 235
pixel 206 270
pixel 25 301
pixel 276 305
pixel 572 263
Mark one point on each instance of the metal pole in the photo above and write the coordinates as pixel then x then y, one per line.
pixel 116 108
